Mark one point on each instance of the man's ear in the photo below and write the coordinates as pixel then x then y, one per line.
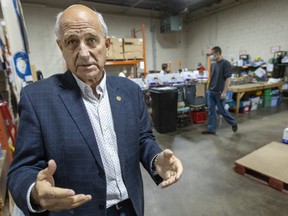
pixel 59 44
pixel 107 45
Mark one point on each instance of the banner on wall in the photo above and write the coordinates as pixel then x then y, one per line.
pixel 18 41
pixel 21 58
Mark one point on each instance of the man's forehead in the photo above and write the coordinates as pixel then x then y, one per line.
pixel 83 32
pixel 81 27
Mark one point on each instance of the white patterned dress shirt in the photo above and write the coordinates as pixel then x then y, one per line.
pixel 100 115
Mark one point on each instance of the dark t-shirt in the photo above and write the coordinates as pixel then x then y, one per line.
pixel 220 71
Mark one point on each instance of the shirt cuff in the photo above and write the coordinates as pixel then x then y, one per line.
pixel 152 165
pixel 31 209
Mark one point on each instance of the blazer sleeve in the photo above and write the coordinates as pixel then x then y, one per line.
pixel 148 145
pixel 28 159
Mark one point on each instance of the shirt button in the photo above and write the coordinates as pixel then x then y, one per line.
pixel 101 206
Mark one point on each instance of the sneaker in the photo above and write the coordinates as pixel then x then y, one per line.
pixel 235 128
pixel 207 132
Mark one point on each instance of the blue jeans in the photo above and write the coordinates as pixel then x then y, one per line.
pixel 213 100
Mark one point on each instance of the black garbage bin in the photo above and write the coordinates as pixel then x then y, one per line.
pixel 164 108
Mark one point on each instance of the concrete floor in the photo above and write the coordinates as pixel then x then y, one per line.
pixel 209 185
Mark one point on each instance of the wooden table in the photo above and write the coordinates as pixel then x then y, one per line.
pixel 240 90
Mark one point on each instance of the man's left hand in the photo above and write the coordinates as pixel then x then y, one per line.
pixel 223 95
pixel 169 167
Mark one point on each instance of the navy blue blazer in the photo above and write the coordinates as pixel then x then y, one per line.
pixel 54 124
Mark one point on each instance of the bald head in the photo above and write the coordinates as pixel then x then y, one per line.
pixel 78 13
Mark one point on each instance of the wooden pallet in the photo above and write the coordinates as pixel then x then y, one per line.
pixel 262 178
pixel 267 165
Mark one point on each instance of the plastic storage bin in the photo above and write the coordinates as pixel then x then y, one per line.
pixel 274 101
pixel 190 96
pixel 198 116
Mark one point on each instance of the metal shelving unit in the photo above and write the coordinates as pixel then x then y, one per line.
pixel 135 62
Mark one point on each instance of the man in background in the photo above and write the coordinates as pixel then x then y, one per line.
pixel 218 86
pixel 164 68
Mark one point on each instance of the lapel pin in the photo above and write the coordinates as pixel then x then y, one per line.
pixel 118 98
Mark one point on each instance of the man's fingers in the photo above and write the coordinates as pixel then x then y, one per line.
pixel 56 193
pixel 80 200
pixel 168 153
pixel 169 181
pixel 179 171
pixel 48 172
pixel 66 203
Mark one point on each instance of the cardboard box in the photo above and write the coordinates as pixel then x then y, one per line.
pixel 116 42
pixel 133 41
pixel 116 49
pixel 133 48
pixel 115 55
pixel 133 55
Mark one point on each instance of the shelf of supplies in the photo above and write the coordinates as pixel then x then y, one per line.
pixel 248 66
pixel 132 62
pixel 282 64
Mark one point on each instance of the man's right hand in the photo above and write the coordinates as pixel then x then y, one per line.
pixel 47 196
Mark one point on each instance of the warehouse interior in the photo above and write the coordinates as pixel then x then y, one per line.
pixel 218 178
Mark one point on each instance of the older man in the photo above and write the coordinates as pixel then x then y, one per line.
pixel 83 134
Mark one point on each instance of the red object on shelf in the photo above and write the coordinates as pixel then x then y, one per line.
pixel 8 130
pixel 12 129
pixel 198 116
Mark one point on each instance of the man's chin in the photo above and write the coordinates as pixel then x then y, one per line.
pixel 94 78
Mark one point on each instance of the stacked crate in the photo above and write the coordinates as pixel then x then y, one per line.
pixel 198 117
pixel 133 48
pixel 116 49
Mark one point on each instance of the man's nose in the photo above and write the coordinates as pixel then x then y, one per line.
pixel 84 50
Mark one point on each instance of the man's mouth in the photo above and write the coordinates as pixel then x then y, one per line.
pixel 85 65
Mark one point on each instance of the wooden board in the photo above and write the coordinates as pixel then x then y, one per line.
pixel 267 164
pixel 254 86
pixel 3 177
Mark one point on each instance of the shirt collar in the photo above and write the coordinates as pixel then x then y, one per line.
pixel 86 90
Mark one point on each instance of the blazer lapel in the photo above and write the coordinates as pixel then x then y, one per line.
pixel 71 97
pixel 117 102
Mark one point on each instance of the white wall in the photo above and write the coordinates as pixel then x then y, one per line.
pixel 44 52
pixel 255 26
pixel 46 56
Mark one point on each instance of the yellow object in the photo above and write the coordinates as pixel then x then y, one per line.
pixel 12 147
pixel 258 93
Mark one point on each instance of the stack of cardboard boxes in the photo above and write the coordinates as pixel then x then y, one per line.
pixel 116 49
pixel 125 49
pixel 133 48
